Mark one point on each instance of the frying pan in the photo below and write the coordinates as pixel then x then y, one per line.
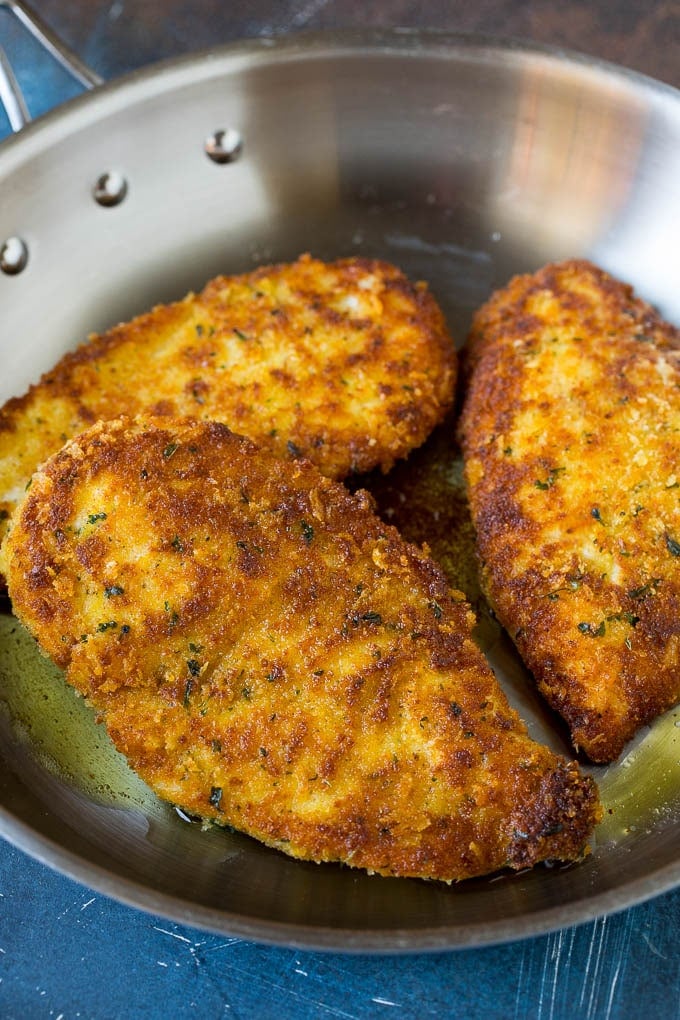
pixel 463 160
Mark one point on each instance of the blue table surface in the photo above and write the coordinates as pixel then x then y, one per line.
pixel 66 951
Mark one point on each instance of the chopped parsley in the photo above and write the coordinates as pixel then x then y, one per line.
pixel 307 532
pixel 551 479
pixel 371 617
pixel 591 630
pixel 436 609
pixel 646 589
pixel 672 546
pixel 600 629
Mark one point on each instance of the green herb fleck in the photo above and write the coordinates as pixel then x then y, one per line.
pixel 672 546
pixel 628 618
pixel 550 480
pixel 93 518
pixel 436 609
pixel 174 615
pixel 169 450
pixel 647 589
pixel 371 617
pixel 188 688
pixel 216 797
pixel 591 630
pixel 109 625
pixel 194 666
pixel 114 589
pixel 307 532
pixel 240 334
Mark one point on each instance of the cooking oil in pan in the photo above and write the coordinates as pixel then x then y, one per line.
pixel 640 790
pixel 55 722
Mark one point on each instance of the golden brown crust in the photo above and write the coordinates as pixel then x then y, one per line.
pixel 269 654
pixel 346 363
pixel 570 433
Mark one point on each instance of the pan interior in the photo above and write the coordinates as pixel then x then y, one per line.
pixel 463 162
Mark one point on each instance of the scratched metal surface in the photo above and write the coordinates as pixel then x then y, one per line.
pixel 66 952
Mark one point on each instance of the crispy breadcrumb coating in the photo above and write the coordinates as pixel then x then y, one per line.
pixel 346 363
pixel 570 431
pixel 268 654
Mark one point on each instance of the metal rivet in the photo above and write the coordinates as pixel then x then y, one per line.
pixel 13 256
pixel 224 146
pixel 110 189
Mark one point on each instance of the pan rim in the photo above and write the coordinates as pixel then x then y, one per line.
pixel 161 76
pixel 374 941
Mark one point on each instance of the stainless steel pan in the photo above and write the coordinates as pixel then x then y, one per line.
pixel 461 159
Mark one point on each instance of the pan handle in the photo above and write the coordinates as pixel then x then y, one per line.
pixel 10 92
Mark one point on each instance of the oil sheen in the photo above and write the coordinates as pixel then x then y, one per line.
pixel 60 729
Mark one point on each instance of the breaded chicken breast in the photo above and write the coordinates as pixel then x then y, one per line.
pixel 570 432
pixel 268 654
pixel 348 364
